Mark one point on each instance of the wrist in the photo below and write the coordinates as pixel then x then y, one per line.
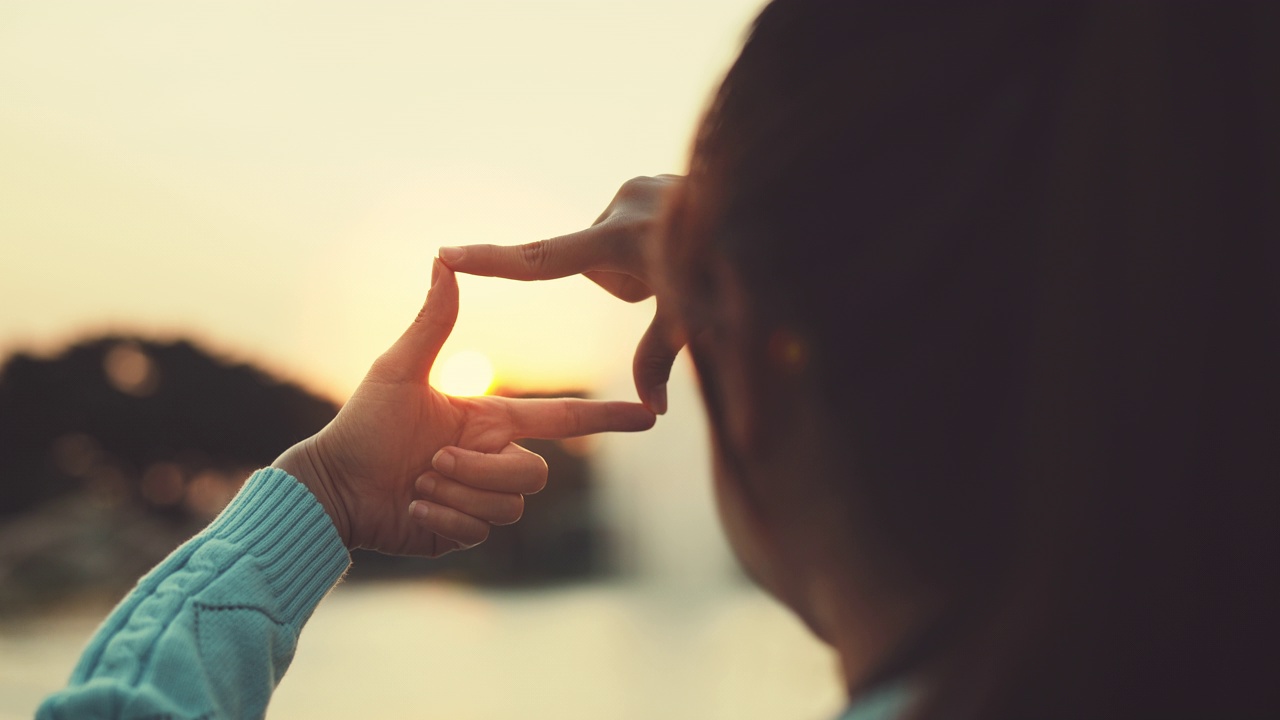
pixel 304 463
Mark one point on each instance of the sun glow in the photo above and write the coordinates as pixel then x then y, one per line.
pixel 464 373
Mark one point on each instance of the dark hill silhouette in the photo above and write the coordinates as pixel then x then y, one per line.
pixel 112 407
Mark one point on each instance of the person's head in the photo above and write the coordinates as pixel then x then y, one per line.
pixel 984 303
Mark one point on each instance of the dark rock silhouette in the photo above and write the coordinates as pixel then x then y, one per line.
pixel 108 410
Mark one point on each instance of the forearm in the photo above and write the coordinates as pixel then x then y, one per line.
pixel 210 631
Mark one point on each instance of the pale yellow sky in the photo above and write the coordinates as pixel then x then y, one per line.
pixel 273 178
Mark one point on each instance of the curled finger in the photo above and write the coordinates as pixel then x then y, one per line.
pixel 449 523
pixel 512 470
pixel 498 508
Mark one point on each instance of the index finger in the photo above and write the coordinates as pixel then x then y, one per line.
pixel 570 417
pixel 541 260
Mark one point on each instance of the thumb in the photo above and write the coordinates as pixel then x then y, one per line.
pixel 655 355
pixel 411 358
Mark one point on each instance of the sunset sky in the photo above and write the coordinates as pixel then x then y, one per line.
pixel 273 178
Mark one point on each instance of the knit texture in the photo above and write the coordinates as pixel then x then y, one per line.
pixel 210 631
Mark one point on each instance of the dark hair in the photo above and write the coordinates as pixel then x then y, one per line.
pixel 1034 249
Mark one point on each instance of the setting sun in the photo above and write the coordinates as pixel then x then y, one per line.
pixel 464 373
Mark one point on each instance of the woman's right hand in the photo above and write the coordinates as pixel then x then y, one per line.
pixel 617 253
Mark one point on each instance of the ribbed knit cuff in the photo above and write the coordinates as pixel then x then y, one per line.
pixel 276 520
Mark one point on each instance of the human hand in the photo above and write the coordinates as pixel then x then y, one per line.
pixel 407 470
pixel 617 253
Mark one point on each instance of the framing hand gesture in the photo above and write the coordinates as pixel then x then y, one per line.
pixel 407 470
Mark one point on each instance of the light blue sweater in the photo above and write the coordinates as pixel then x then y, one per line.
pixel 210 631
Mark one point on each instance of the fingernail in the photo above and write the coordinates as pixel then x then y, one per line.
pixel 425 484
pixel 451 254
pixel 444 461
pixel 418 510
pixel 660 399
pixel 435 271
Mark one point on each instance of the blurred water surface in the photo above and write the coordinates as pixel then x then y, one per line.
pixel 428 649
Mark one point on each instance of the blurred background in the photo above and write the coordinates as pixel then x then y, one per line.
pixel 215 215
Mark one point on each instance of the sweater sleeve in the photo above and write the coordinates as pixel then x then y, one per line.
pixel 210 631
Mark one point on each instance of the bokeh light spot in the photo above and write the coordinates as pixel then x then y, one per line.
pixel 131 370
pixel 163 484
pixel 209 492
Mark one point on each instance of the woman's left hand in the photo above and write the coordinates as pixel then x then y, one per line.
pixel 407 470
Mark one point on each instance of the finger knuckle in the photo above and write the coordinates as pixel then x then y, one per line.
pixel 572 420
pixel 534 255
pixel 657 366
pixel 634 186
pixel 632 226
pixel 652 367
